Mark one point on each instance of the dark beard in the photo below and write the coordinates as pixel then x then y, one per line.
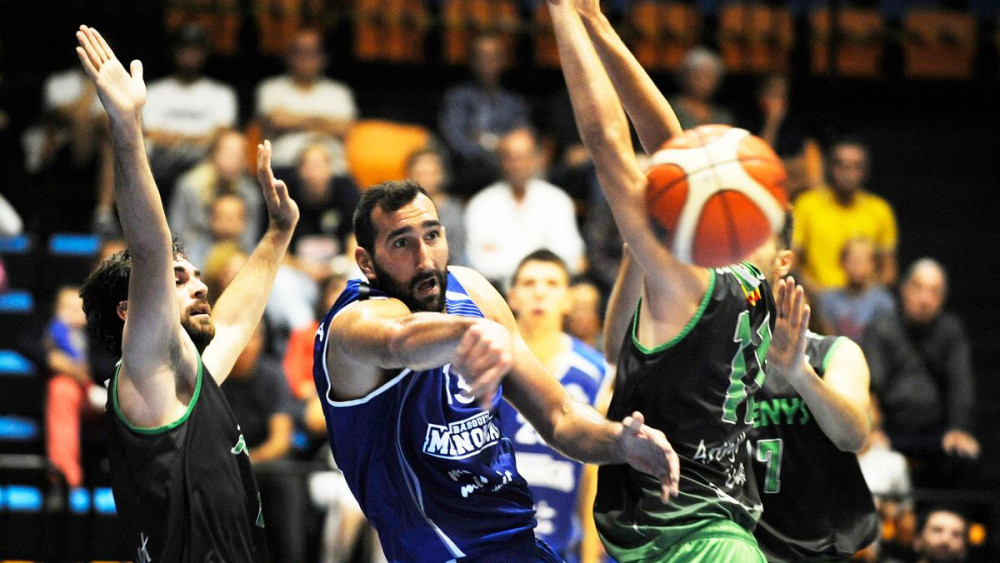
pixel 201 335
pixel 408 294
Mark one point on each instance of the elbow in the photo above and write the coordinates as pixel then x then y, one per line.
pixel 854 439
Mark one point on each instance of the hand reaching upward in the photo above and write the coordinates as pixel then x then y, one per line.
pixel 123 94
pixel 282 210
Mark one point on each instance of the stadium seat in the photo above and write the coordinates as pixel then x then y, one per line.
pixel 68 261
pixel 662 32
pixel 377 150
pixel 755 38
pixel 19 260
pixel 859 50
pixel 462 20
pixel 390 30
pixel 939 44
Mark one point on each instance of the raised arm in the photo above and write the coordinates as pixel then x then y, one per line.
pixel 621 305
pixel 573 428
pixel 241 305
pixel 605 133
pixel 155 349
pixel 840 399
pixel 653 118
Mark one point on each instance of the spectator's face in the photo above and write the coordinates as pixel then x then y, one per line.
pixel 943 538
pixel 923 295
pixel 859 262
pixel 848 168
pixel 69 308
pixel 230 156
pixel 189 60
pixel 488 61
pixel 411 255
pixel 427 171
pixel 316 171
pixel 228 218
pixel 584 318
pixel 246 362
pixel 518 157
pixel 192 302
pixel 539 294
pixel 703 81
pixel 306 58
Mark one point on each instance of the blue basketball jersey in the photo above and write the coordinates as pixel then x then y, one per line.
pixel 430 468
pixel 554 478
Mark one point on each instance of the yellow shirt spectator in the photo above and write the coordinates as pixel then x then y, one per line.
pixel 823 225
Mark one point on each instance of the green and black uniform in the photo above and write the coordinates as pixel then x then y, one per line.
pixel 696 389
pixel 185 491
pixel 817 506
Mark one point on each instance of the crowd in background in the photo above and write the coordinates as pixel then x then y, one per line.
pixel 504 187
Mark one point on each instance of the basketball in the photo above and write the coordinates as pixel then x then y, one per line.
pixel 719 192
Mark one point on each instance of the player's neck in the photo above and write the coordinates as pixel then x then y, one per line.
pixel 546 340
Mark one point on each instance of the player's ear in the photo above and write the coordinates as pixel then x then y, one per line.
pixel 122 310
pixel 784 260
pixel 366 262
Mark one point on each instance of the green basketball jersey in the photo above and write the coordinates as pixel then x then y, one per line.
pixel 698 389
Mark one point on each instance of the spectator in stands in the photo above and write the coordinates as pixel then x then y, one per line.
pixel 72 393
pixel 921 369
pixel 943 537
pixel 520 214
pixel 198 191
pixel 258 394
pixel 326 204
pixel 185 110
pixel 298 362
pixel 851 308
pixel 584 317
pixel 428 167
pixel 771 121
pixel 74 160
pixel 475 115
pixel 304 107
pixel 10 222
pixel 222 263
pixel 827 217
pixel 700 76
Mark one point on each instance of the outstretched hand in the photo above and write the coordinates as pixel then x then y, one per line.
pixel 787 354
pixel 483 357
pixel 282 210
pixel 122 93
pixel 647 450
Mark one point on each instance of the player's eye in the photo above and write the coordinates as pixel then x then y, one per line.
pixel 433 235
pixel 399 243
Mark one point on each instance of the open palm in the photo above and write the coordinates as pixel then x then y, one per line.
pixel 122 93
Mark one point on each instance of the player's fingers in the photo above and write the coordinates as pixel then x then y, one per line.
pixel 95 40
pixel 136 68
pixel 780 298
pixel 103 45
pixel 88 48
pixel 88 66
pixel 798 302
pixel 804 320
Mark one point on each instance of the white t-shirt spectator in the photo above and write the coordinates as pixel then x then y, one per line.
pixel 65 88
pixel 195 109
pixel 326 99
pixel 500 231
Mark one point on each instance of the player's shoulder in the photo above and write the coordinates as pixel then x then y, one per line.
pixel 475 285
pixel 811 199
pixel 874 201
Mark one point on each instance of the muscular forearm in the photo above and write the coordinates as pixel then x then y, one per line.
pixel 245 298
pixel 651 114
pixel 581 433
pixel 139 206
pixel 844 421
pixel 426 340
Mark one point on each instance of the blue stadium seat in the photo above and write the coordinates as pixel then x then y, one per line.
pixel 17 301
pixel 19 429
pixel 12 363
pixel 74 244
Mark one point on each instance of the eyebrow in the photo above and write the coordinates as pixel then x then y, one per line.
pixel 180 270
pixel 430 223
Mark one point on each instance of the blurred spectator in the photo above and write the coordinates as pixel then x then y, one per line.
pixel 10 221
pixel 258 394
pixel 943 537
pixel 520 214
pixel 184 111
pixel 199 192
pixel 73 159
pixel 584 317
pixel 827 217
pixel 475 115
pixel 298 361
pixel 773 122
pixel 428 168
pixel 326 206
pixel 700 76
pixel 921 369
pixel 72 393
pixel 304 107
pixel 851 308
pixel 221 265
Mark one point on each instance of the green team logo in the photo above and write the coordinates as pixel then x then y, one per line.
pixel 260 511
pixel 748 359
pixel 240 447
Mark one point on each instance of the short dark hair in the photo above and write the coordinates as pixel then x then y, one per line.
pixel 787 230
pixel 387 196
pixel 105 288
pixel 541 255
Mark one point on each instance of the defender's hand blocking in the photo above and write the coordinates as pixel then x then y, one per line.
pixel 122 94
pixel 484 355
pixel 282 210
pixel 647 450
pixel 787 354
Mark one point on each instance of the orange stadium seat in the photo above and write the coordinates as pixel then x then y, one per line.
pixel 755 38
pixel 390 30
pixel 377 150
pixel 662 33
pixel 939 44
pixel 279 20
pixel 462 20
pixel 862 41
